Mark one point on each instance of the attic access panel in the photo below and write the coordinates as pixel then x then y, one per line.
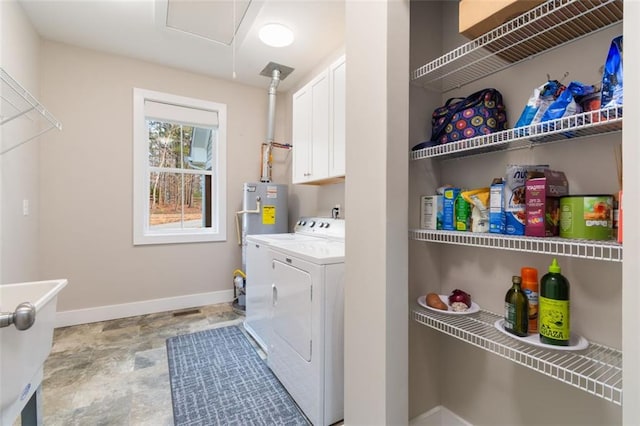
pixel 212 20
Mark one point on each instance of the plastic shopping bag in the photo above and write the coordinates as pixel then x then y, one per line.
pixel 612 76
pixel 566 104
pixel 539 101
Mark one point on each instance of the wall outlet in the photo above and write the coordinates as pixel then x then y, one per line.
pixel 25 207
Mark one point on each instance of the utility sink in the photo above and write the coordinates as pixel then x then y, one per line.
pixel 23 352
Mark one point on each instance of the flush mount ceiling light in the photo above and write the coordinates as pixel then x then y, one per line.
pixel 276 35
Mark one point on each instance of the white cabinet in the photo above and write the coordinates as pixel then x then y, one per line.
pixel 319 127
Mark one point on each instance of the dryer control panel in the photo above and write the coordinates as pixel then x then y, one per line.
pixel 323 227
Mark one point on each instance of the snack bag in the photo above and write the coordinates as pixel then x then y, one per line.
pixel 566 104
pixel 612 76
pixel 479 200
pixel 542 97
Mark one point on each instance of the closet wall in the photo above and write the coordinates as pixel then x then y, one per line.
pixel 477 385
pixel 19 168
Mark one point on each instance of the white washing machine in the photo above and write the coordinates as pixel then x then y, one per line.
pixel 306 344
pixel 258 285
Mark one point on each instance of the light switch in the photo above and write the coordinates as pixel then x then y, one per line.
pixel 25 207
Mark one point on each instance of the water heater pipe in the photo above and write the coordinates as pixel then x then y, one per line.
pixel 271 119
pixel 257 210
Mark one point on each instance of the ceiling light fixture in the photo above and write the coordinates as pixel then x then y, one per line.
pixel 276 35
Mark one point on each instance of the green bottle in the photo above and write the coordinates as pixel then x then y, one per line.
pixel 516 309
pixel 553 307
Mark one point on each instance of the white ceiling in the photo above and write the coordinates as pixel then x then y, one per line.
pixel 203 44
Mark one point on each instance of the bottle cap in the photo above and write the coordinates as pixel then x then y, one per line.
pixel 516 279
pixel 554 267
pixel 529 274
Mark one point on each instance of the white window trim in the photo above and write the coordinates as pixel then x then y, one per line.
pixel 141 233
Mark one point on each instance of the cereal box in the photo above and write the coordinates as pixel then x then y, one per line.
pixel 496 207
pixel 542 198
pixel 448 208
pixel 431 212
pixel 515 196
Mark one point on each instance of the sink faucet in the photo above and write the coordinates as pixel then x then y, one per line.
pixel 23 317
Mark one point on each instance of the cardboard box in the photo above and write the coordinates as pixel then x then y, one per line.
pixel 462 214
pixel 431 210
pixel 496 207
pixel 515 196
pixel 542 195
pixel 477 17
pixel 448 208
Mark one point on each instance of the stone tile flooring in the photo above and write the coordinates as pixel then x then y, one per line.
pixel 115 372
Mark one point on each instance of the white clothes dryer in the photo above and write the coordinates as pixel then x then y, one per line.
pixel 307 333
pixel 258 284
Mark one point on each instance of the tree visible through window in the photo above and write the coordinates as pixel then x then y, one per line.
pixel 177 182
pixel 182 175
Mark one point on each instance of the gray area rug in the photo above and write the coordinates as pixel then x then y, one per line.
pixel 217 378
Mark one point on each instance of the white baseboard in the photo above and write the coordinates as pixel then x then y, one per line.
pixel 439 416
pixel 109 312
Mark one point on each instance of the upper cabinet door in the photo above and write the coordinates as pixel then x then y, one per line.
pixel 337 144
pixel 319 128
pixel 301 137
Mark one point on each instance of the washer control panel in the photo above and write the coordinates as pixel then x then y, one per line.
pixel 320 227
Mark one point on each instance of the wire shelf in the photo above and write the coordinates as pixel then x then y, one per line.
pixel 555 246
pixel 17 103
pixel 550 25
pixel 596 370
pixel 598 122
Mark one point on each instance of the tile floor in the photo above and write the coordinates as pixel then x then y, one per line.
pixel 115 372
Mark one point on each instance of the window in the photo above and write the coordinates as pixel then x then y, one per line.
pixel 179 169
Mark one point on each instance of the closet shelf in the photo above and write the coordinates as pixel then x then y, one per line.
pixel 547 26
pixel 598 122
pixel 555 246
pixel 19 106
pixel 596 370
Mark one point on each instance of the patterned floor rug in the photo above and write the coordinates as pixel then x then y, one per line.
pixel 217 378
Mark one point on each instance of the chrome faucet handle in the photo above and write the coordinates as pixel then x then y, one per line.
pixel 23 317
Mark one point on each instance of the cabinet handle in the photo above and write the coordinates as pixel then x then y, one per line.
pixel 274 294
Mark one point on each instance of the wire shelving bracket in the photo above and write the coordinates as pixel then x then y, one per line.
pixel 21 113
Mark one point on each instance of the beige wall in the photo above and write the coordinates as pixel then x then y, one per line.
pixel 20 48
pixel 424 260
pixel 376 316
pixel 86 180
pixel 631 269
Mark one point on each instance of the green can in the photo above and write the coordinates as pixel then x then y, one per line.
pixel 587 217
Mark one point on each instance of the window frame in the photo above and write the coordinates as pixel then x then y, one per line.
pixel 142 235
